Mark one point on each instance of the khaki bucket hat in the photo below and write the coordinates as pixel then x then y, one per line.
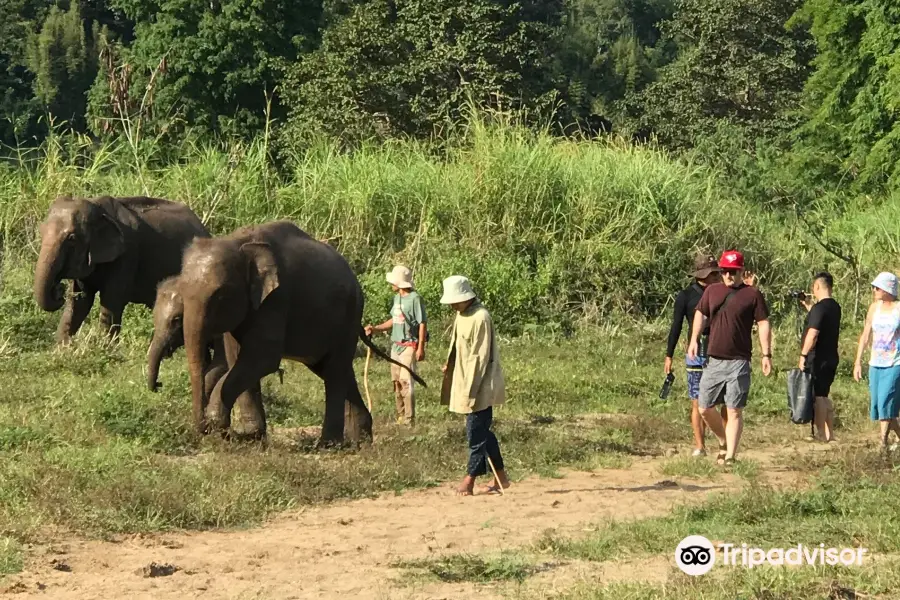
pixel 401 277
pixel 457 289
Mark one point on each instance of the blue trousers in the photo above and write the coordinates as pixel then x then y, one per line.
pixel 482 442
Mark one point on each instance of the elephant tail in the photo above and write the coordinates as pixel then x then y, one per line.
pixel 381 354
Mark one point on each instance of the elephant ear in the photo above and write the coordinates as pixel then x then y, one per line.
pixel 262 271
pixel 107 241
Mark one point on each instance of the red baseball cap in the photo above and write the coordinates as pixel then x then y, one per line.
pixel 731 259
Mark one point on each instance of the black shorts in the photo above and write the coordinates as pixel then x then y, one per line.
pixel 823 376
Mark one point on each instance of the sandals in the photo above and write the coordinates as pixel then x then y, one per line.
pixel 729 462
pixel 720 458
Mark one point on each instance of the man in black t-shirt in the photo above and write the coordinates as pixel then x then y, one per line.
pixel 706 272
pixel 819 352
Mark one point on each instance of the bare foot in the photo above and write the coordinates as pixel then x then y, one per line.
pixel 493 487
pixel 466 487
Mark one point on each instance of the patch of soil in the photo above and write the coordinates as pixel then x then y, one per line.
pixel 346 549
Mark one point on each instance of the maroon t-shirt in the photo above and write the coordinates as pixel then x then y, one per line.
pixel 730 333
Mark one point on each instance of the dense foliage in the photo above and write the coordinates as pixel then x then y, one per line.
pixel 358 68
pixel 792 103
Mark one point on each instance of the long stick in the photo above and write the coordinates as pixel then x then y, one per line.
pixel 366 378
pixel 494 471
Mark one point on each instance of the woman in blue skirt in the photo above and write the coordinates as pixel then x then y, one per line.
pixel 883 327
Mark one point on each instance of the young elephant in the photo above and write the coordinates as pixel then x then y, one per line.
pixel 274 292
pixel 120 248
pixel 168 336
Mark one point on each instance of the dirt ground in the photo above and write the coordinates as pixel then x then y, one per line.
pixel 346 549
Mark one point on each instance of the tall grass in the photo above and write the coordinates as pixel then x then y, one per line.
pixel 551 231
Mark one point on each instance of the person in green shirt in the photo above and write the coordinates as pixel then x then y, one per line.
pixel 408 336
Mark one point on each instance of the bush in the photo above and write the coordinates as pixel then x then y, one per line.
pixel 550 231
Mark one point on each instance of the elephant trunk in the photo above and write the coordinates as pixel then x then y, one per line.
pixel 158 351
pixel 195 347
pixel 48 288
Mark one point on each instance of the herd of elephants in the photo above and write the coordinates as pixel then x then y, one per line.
pixel 238 303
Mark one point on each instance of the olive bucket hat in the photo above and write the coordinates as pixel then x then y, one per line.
pixel 704 266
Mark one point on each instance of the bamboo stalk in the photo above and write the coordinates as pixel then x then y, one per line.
pixel 366 378
pixel 494 471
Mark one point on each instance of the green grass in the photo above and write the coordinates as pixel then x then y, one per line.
pixel 843 507
pixel 576 248
pixel 691 468
pixel 455 568
pixel 10 556
pixel 763 583
pixel 552 232
pixel 85 446
pixel 849 502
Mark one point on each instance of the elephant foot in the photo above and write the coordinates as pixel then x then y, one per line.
pixel 217 422
pixel 248 438
pixel 330 444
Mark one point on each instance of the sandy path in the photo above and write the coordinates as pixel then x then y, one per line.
pixel 346 549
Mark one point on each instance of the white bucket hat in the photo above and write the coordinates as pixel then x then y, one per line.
pixel 400 276
pixel 457 289
pixel 887 282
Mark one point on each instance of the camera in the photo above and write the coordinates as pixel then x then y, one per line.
pixel 797 295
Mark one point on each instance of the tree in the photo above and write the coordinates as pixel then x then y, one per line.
pixel 737 63
pixel 409 66
pixel 62 59
pixel 18 106
pixel 222 58
pixel 608 50
pixel 851 133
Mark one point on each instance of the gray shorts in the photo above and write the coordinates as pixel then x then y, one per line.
pixel 725 381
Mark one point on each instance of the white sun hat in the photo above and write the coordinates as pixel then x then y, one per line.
pixel 400 276
pixel 457 289
pixel 886 281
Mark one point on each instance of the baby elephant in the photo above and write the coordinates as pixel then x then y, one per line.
pixel 168 337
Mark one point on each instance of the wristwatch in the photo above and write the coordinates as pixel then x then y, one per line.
pixel 767 356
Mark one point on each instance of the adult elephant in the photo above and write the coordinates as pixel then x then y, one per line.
pixel 120 248
pixel 275 292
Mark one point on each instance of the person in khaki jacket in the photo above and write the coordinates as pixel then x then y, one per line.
pixel 473 381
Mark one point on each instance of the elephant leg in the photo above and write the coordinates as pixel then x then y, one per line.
pixel 253 414
pixel 78 306
pixel 213 373
pixel 336 400
pixel 211 377
pixel 111 320
pixel 359 419
pixel 114 297
pixel 242 381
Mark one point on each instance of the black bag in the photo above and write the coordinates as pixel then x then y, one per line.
pixel 801 396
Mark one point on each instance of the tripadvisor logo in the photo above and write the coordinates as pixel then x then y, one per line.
pixel 696 555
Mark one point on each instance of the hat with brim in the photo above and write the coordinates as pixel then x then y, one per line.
pixel 886 282
pixel 400 276
pixel 457 289
pixel 704 266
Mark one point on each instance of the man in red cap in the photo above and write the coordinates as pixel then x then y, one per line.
pixel 730 308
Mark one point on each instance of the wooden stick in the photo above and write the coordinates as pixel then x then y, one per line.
pixel 366 378
pixel 494 471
